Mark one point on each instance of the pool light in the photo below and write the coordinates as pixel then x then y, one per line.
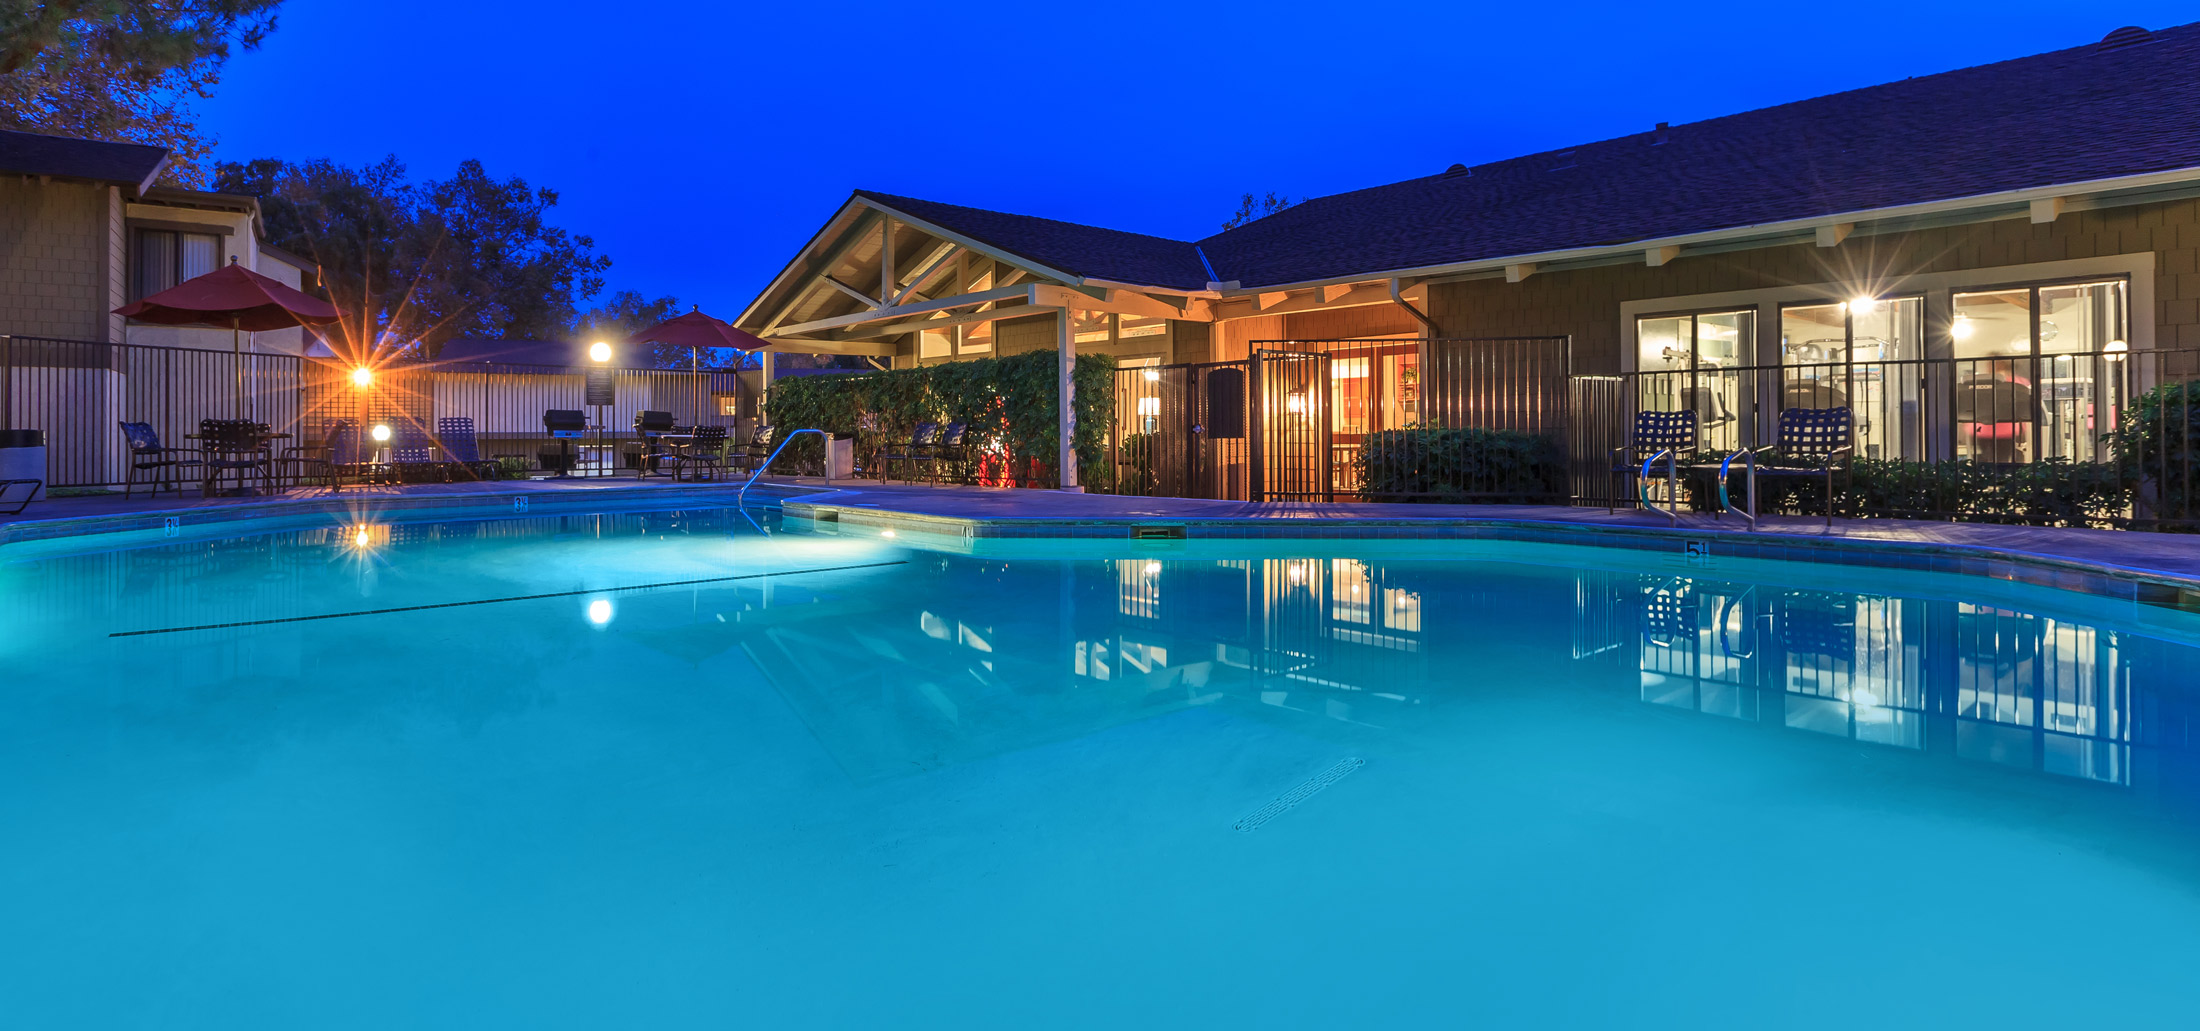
pixel 362 377
pixel 381 433
pixel 886 533
pixel 599 611
pixel 599 352
pixel 361 537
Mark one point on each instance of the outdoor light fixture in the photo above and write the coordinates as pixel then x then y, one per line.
pixel 599 351
pixel 599 611
pixel 362 377
pixel 2116 349
pixel 886 533
pixel 1153 375
pixel 381 433
pixel 1861 305
pixel 1295 402
pixel 360 538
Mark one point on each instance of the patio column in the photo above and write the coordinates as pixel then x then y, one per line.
pixel 1065 352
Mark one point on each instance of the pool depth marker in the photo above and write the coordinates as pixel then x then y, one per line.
pixel 500 601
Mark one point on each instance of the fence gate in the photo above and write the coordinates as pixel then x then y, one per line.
pixel 1180 431
pixel 1291 457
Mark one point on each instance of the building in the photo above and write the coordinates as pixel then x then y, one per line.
pixel 2024 224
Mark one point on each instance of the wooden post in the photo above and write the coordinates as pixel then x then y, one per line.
pixel 1065 344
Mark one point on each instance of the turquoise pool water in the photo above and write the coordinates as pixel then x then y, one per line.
pixel 831 779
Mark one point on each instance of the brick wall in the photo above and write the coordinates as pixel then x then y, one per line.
pixel 1586 303
pixel 55 272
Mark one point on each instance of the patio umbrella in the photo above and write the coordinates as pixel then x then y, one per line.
pixel 236 297
pixel 696 331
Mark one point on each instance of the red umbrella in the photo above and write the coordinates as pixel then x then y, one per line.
pixel 237 297
pixel 696 331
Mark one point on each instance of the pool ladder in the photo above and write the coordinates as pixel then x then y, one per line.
pixel 743 497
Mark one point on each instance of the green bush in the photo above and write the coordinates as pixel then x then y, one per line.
pixel 2051 492
pixel 1008 402
pixel 1460 465
pixel 1135 458
pixel 2157 447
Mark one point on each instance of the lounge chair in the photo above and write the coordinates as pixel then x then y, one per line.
pixel 456 434
pixel 918 449
pixel 1667 437
pixel 706 449
pixel 147 454
pixel 1812 443
pixel 412 455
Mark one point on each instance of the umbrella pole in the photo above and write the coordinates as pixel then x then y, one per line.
pixel 236 355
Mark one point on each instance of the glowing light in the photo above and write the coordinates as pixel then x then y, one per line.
pixel 1863 305
pixel 361 537
pixel 886 533
pixel 381 433
pixel 1153 569
pixel 599 611
pixel 1295 402
pixel 1149 406
pixel 1962 328
pixel 1153 375
pixel 599 352
pixel 2116 350
pixel 1298 573
pixel 362 377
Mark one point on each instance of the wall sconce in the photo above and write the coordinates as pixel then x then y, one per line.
pixel 2116 350
pixel 1153 375
pixel 1295 402
pixel 1961 328
pixel 362 377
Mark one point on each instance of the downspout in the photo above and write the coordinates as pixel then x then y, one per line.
pixel 1421 363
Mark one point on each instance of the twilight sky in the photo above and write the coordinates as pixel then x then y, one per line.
pixel 702 143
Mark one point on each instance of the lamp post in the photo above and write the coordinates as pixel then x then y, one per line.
pixel 600 353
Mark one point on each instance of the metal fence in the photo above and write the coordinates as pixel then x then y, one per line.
pixel 1367 419
pixel 79 392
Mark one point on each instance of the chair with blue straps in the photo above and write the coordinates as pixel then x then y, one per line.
pixel 1812 443
pixel 1667 437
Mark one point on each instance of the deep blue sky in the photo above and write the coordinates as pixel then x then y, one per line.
pixel 701 144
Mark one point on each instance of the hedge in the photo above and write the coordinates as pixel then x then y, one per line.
pixel 1460 465
pixel 2050 492
pixel 1010 404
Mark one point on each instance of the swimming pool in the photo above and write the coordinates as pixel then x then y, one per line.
pixel 661 769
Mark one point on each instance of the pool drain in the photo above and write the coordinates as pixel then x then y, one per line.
pixel 1293 797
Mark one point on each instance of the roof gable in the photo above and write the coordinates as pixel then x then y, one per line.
pixel 1086 251
pixel 129 164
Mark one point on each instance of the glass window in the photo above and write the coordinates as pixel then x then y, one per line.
pixel 166 258
pixel 977 338
pixel 935 343
pixel 2038 370
pixel 1689 361
pixel 1861 354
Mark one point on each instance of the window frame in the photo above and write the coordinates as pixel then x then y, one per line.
pixel 177 231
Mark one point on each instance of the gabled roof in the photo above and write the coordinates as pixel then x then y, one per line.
pixel 103 161
pixel 2089 113
pixel 1087 251
pixel 2126 106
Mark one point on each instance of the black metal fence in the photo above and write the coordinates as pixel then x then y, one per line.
pixel 79 392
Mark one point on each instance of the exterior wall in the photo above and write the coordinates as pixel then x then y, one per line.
pixel 54 269
pixel 239 243
pixel 1236 336
pixel 1586 303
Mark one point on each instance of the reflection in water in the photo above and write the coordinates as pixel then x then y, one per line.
pixel 1978 682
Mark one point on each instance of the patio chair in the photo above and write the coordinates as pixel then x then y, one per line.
pixel 233 446
pixel 650 425
pixel 1669 437
pixel 706 450
pixel 412 455
pixel 757 450
pixel 916 450
pixel 147 454
pixel 947 447
pixel 460 450
pixel 1812 443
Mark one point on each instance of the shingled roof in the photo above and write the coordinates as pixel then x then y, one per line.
pixel 2127 105
pixel 129 164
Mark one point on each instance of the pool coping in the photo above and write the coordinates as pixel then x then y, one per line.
pixel 481 502
pixel 2134 583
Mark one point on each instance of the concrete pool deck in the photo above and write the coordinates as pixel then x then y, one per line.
pixel 2162 569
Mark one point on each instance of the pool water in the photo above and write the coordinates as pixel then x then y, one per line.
pixel 482 773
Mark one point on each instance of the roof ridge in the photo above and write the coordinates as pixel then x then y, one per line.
pixel 890 198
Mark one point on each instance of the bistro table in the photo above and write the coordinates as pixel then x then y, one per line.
pixel 675 440
pixel 261 447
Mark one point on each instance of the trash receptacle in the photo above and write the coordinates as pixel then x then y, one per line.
pixel 23 457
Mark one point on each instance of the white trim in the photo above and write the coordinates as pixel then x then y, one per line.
pixel 1938 289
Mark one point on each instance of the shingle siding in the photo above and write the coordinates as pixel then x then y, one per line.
pixel 56 253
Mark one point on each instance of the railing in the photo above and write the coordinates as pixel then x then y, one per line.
pixel 742 497
pixel 79 391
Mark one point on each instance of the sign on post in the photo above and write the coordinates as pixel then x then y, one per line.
pixel 602 386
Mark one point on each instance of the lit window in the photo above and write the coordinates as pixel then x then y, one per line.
pixel 2037 367
pixel 935 343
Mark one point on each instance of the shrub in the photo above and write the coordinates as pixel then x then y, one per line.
pixel 2156 449
pixel 2052 492
pixel 1460 465
pixel 1008 402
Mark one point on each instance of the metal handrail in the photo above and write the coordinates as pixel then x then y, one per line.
pixel 743 496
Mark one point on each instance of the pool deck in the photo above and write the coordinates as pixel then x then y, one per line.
pixel 2149 567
